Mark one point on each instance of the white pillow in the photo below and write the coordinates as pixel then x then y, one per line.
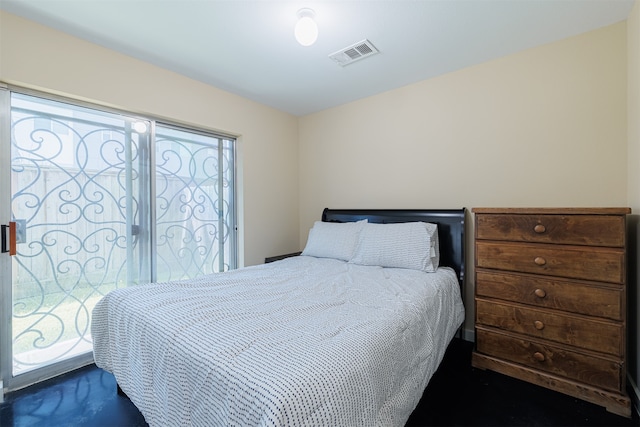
pixel 411 245
pixel 333 239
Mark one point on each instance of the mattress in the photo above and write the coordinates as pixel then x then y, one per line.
pixel 304 341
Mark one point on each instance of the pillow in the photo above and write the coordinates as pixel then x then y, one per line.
pixel 411 245
pixel 333 239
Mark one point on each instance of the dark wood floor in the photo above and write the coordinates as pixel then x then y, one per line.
pixel 458 395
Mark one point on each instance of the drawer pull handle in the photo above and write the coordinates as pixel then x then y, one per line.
pixel 539 325
pixel 540 261
pixel 540 293
pixel 538 356
pixel 539 229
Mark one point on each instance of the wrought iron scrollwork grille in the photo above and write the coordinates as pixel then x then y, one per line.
pixel 194 185
pixel 72 177
pixel 81 191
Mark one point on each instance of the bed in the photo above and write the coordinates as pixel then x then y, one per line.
pixel 348 333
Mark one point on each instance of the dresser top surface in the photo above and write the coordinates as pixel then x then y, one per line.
pixel 554 211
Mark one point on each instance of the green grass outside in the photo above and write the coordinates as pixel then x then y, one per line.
pixel 43 317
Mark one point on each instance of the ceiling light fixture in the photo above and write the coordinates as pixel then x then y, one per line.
pixel 306 30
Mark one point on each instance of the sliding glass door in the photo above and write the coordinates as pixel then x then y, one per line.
pixel 98 200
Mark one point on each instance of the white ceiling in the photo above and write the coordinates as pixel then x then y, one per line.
pixel 248 48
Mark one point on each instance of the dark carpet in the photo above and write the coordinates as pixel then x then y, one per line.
pixel 458 395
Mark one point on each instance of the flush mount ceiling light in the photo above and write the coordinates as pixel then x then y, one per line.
pixel 306 30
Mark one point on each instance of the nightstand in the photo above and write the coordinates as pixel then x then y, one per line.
pixel 279 257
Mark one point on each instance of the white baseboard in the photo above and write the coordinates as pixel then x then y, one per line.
pixel 469 335
pixel 635 394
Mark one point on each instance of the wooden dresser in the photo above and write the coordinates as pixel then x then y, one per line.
pixel 550 299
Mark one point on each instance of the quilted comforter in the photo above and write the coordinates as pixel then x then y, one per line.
pixel 301 342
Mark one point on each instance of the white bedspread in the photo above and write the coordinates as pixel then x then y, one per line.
pixel 299 342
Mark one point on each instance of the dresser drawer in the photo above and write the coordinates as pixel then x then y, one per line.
pixel 592 230
pixel 588 369
pixel 589 263
pixel 578 331
pixel 560 294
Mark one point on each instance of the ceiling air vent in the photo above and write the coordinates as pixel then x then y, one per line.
pixel 354 53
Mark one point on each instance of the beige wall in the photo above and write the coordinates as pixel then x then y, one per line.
pixel 633 134
pixel 38 57
pixel 544 127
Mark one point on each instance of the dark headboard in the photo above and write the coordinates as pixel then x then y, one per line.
pixel 450 228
